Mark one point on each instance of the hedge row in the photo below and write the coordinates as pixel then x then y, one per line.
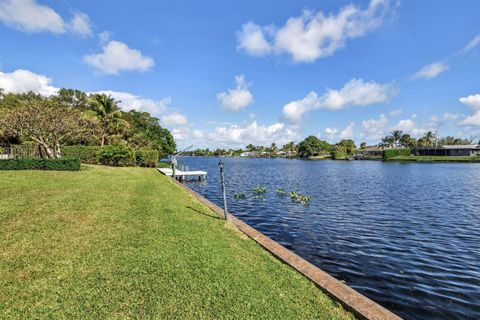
pixel 63 164
pixel 115 155
pixel 86 154
pixel 390 153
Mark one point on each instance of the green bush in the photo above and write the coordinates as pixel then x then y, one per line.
pixel 390 153
pixel 117 155
pixel 63 164
pixel 146 158
pixel 339 155
pixel 86 154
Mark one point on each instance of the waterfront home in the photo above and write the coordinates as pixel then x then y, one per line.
pixel 372 152
pixel 468 150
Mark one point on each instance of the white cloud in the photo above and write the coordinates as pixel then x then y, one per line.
pixel 117 57
pixel 253 133
pixel 396 112
pixel 20 81
pixel 252 40
pixel 356 92
pixel 472 101
pixel 333 135
pixel 410 126
pixel 198 134
pixel 313 35
pixel 375 127
pixel 472 44
pixel 174 119
pixel 30 16
pixel 130 101
pixel 238 98
pixel 431 71
pixel 81 24
pixel 181 134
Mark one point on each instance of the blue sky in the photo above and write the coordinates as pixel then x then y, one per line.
pixel 230 73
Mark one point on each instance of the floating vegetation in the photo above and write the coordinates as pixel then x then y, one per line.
pixel 259 190
pixel 239 195
pixel 258 197
pixel 300 198
pixel 281 192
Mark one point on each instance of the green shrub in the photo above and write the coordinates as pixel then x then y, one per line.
pixel 86 154
pixel 339 155
pixel 146 158
pixel 63 164
pixel 390 153
pixel 117 155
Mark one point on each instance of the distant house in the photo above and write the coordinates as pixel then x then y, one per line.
pixel 468 150
pixel 372 152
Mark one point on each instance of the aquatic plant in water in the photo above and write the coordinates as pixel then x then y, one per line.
pixel 281 192
pixel 259 190
pixel 300 198
pixel 239 195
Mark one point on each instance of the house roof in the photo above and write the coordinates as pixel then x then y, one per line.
pixel 461 146
pixel 372 149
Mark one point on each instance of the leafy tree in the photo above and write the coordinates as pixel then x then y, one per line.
pixel 396 136
pixel 251 147
pixel 145 132
pixel 108 113
pixel 72 98
pixel 48 124
pixel 312 146
pixel 363 145
pixel 429 139
pixel 406 141
pixel 347 145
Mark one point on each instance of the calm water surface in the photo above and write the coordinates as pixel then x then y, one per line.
pixel 407 235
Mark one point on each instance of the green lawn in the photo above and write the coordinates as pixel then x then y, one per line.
pixel 120 243
pixel 435 159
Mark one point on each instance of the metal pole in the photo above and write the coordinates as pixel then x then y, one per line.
pixel 222 178
pixel 174 162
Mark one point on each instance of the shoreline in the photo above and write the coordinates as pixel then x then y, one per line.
pixel 361 306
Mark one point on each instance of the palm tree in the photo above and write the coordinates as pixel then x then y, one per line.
pixel 108 112
pixel 396 136
pixel 429 138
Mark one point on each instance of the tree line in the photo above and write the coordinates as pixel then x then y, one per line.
pixel 73 117
pixel 312 146
pixel 399 139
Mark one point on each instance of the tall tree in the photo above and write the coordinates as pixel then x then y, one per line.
pixel 48 124
pixel 312 146
pixel 108 113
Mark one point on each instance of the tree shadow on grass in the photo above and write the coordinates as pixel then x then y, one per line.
pixel 210 215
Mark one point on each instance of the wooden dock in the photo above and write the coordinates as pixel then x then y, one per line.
pixel 183 175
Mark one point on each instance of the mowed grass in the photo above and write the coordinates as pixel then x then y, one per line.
pixel 435 159
pixel 123 243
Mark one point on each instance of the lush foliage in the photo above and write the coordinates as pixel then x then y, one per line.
pixel 146 158
pixel 390 153
pixel 73 117
pixel 398 139
pixel 46 123
pixel 62 164
pixel 91 155
pixel 87 154
pixel 312 146
pixel 117 155
pixel 150 251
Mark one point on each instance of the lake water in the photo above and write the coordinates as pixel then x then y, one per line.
pixel 407 235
